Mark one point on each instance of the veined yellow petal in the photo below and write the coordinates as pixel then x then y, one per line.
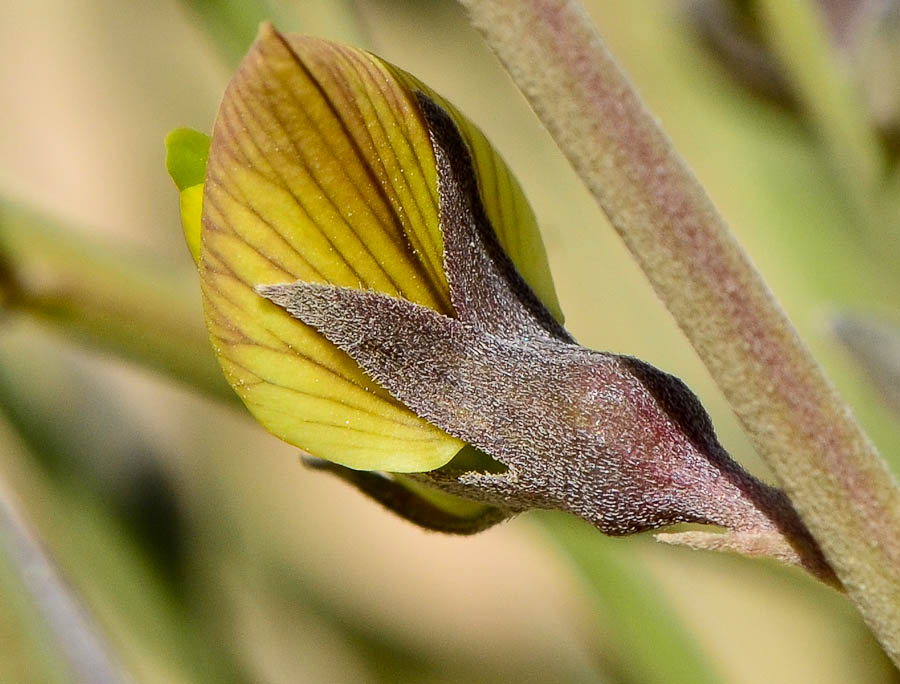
pixel 321 169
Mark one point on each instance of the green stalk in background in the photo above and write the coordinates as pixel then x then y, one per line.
pixel 798 35
pixel 107 300
pixel 656 647
pixel 798 423
pixel 232 26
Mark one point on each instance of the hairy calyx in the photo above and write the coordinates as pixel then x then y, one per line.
pixel 608 438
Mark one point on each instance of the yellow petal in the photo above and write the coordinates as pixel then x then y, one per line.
pixel 191 210
pixel 321 169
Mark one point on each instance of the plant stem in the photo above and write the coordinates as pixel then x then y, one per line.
pixel 140 310
pixel 795 418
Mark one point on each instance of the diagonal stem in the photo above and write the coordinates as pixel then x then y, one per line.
pixel 78 638
pixel 798 423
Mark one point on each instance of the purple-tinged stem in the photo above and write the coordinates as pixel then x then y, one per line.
pixel 798 423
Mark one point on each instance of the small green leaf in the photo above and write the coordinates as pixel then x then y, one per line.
pixel 186 153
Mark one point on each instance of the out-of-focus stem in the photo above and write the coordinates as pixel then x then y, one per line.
pixel 77 637
pixel 658 649
pixel 798 33
pixel 875 344
pixel 798 423
pixel 142 311
pixel 233 25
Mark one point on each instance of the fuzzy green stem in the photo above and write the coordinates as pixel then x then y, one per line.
pixel 796 420
pixel 142 311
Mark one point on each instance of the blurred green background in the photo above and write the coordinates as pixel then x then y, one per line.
pixel 204 550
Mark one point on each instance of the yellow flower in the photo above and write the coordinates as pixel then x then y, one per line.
pixel 352 219
pixel 320 169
